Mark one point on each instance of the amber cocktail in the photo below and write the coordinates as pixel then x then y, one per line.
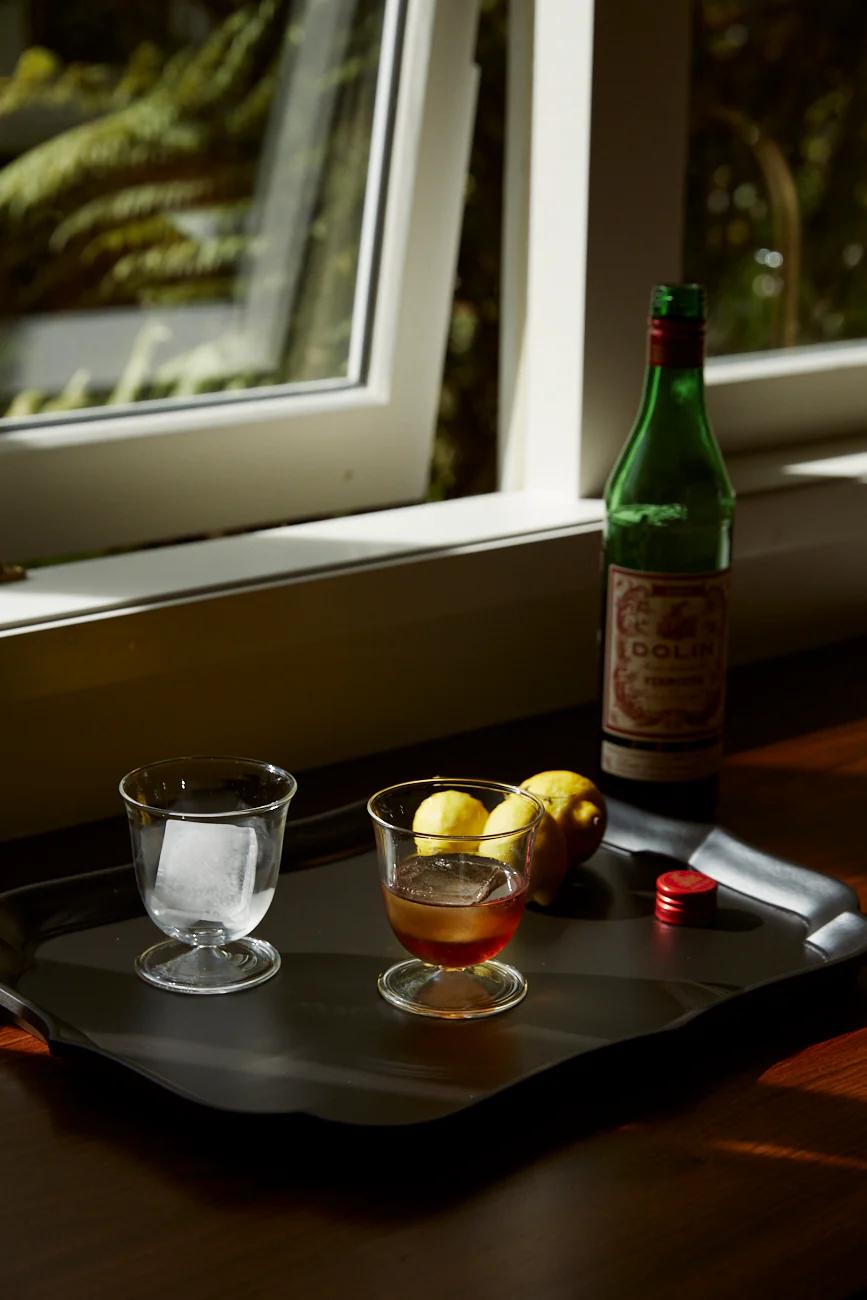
pixel 454 901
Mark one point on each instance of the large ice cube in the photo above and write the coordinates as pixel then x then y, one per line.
pixel 206 870
pixel 453 880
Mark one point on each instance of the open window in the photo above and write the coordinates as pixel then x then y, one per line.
pixel 229 234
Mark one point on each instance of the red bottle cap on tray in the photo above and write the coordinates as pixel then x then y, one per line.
pixel 685 897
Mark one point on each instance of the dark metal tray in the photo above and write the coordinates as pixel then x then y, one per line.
pixel 318 1040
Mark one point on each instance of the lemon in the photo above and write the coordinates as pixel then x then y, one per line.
pixel 446 813
pixel 576 805
pixel 550 859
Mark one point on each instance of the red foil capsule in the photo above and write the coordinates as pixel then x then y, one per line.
pixel 685 897
pixel 676 343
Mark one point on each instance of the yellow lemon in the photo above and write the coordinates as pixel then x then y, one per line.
pixel 576 805
pixel 550 859
pixel 446 813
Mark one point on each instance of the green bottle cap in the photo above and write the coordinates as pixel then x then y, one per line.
pixel 677 302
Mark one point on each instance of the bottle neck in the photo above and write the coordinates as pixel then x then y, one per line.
pixel 674 376
pixel 673 386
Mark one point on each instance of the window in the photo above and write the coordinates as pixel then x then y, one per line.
pixel 330 639
pixel 774 215
pixel 640 226
pixel 229 235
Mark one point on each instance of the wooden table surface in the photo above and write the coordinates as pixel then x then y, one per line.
pixel 741 1174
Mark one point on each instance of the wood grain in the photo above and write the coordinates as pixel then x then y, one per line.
pixel 740 1170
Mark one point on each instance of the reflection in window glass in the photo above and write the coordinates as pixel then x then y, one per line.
pixel 777 188
pixel 182 196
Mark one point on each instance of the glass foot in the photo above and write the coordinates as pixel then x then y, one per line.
pixel 233 966
pixel 468 994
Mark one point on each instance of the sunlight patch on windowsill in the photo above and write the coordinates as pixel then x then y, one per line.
pixel 853 467
pixel 98 587
pixel 841 461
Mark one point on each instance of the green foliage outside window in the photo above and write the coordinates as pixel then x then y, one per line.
pixel 135 184
pixel 776 217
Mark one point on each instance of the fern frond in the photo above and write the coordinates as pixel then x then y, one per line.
pixel 214 288
pixel 186 260
pixel 230 60
pixel 27 402
pixel 139 201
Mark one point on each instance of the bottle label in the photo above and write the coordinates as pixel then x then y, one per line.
pixel 664 670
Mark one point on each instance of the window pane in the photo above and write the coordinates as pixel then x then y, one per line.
pixel 777 184
pixel 185 201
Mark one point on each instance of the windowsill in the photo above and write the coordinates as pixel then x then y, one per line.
pixel 331 641
pixel 134 581
pixel 131 582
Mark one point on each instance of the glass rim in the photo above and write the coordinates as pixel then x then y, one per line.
pixel 262 764
pixel 450 782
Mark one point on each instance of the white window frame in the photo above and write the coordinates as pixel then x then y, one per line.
pixel 320 642
pixel 218 465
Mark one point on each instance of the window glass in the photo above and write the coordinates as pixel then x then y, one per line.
pixel 777 178
pixel 186 201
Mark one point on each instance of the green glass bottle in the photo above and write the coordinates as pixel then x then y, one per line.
pixel 667 550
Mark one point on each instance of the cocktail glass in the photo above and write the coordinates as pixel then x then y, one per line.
pixel 454 901
pixel 206 835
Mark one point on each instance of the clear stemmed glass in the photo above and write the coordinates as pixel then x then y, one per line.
pixel 206 835
pixel 454 901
